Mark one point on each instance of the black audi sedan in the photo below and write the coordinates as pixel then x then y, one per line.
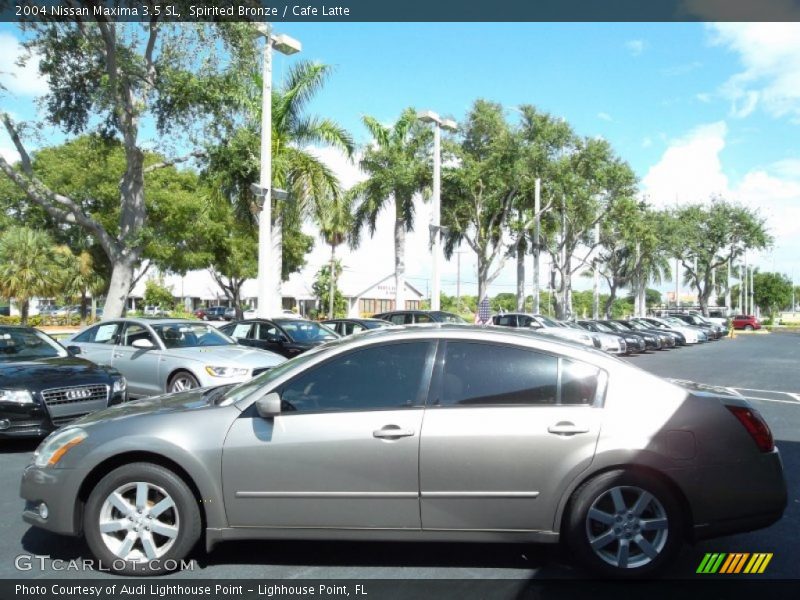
pixel 285 336
pixel 42 386
pixel 349 326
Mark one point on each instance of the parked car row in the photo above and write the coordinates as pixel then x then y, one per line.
pixel 619 336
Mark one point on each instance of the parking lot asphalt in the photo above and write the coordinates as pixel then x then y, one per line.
pixel 755 366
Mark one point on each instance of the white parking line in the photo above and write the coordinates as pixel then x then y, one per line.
pixel 771 400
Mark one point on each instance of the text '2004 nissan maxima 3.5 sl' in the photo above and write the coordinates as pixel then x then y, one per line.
pixel 440 433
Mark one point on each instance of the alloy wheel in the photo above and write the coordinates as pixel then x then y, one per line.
pixel 139 522
pixel 627 527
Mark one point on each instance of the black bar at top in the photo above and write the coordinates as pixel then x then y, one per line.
pixel 407 10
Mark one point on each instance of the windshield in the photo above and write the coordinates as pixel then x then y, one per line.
pixel 376 324
pixel 191 335
pixel 604 328
pixel 617 327
pixel 548 321
pixel 636 325
pixel 18 343
pixel 307 331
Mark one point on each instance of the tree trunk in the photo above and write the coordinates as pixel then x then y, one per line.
pixel 520 275
pixel 24 308
pixel 122 270
pixel 399 261
pixel 83 308
pixel 612 295
pixel 333 282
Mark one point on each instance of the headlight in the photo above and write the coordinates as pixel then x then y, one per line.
pixel 119 385
pixel 226 371
pixel 57 445
pixel 18 396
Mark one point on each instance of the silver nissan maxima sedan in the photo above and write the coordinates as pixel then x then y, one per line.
pixel 440 433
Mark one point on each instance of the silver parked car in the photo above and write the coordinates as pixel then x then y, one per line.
pixel 440 433
pixel 169 355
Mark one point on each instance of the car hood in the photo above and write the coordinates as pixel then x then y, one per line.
pixel 234 356
pixel 188 400
pixel 47 373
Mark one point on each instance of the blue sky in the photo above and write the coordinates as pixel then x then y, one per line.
pixel 694 108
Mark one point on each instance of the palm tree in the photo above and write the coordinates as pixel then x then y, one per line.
pixel 235 163
pixel 27 268
pixel 78 276
pixel 334 216
pixel 397 166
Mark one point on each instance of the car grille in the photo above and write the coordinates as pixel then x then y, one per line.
pixel 74 395
pixel 61 421
pixel 260 371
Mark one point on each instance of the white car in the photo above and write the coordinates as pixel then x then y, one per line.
pixel 693 335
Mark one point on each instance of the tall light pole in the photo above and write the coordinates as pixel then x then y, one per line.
pixel 285 45
pixel 536 243
pixel 429 116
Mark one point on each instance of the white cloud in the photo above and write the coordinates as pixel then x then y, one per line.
pixel 635 47
pixel 604 116
pixel 703 97
pixel 690 169
pixel 770 57
pixel 24 81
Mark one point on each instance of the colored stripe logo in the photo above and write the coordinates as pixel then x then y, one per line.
pixel 734 562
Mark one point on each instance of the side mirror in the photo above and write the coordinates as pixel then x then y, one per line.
pixel 143 344
pixel 73 350
pixel 269 406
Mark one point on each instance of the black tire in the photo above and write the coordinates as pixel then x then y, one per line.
pixel 662 540
pixel 185 516
pixel 748 328
pixel 186 379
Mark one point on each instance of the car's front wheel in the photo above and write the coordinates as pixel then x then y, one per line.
pixel 625 525
pixel 182 380
pixel 748 328
pixel 141 519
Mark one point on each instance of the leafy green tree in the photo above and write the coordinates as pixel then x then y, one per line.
pixel 480 192
pixel 78 278
pixel 705 237
pixel 334 217
pixel 587 180
pixel 234 161
pixel 233 247
pixel 397 169
pixel 772 292
pixel 158 295
pixel 28 267
pixel 110 77
pixel 504 301
pixel 322 288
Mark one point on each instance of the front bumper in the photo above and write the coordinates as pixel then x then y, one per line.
pixel 35 420
pixel 58 488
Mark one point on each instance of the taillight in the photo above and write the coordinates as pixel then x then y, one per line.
pixel 755 425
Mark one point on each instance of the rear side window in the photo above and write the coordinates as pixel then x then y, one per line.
pixel 477 374
pixel 487 374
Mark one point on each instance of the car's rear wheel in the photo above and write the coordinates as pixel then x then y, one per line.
pixel 625 525
pixel 182 380
pixel 141 519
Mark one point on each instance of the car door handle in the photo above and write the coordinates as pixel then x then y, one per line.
pixel 392 432
pixel 118 355
pixel 565 428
